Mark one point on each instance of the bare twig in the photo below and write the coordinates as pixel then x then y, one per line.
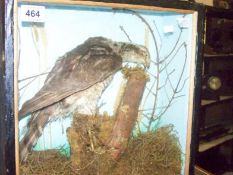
pixel 155 87
pixel 161 41
pixel 178 83
pixel 34 76
pixel 175 89
pixel 126 34
pixel 171 59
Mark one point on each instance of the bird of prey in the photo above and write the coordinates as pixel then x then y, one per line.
pixel 76 82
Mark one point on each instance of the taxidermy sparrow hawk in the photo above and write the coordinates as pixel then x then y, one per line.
pixel 76 82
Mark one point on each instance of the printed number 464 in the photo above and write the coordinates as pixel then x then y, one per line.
pixel 33 13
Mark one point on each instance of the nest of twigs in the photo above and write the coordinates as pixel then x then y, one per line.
pixel 154 153
pixel 49 162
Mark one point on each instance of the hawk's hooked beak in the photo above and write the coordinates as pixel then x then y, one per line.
pixel 138 54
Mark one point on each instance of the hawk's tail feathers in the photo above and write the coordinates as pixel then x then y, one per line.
pixel 31 137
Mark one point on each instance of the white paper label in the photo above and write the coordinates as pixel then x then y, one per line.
pixel 32 13
pixel 168 29
pixel 183 23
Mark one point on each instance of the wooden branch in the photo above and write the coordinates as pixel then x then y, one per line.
pixel 127 112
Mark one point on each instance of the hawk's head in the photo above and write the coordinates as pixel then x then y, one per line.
pixel 134 53
pixel 129 52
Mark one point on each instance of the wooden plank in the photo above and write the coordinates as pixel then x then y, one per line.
pixel 201 171
pixel 208 102
pixel 191 93
pixel 9 120
pixel 16 98
pixel 111 5
pixel 197 88
pixel 206 2
pixel 2 93
pixel 216 142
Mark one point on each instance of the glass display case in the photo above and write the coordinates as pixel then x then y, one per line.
pixel 105 87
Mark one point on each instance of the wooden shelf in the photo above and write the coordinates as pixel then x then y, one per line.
pixel 221 99
pixel 216 142
pixel 218 55
pixel 200 171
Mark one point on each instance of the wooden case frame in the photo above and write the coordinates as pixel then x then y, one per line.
pixel 9 161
